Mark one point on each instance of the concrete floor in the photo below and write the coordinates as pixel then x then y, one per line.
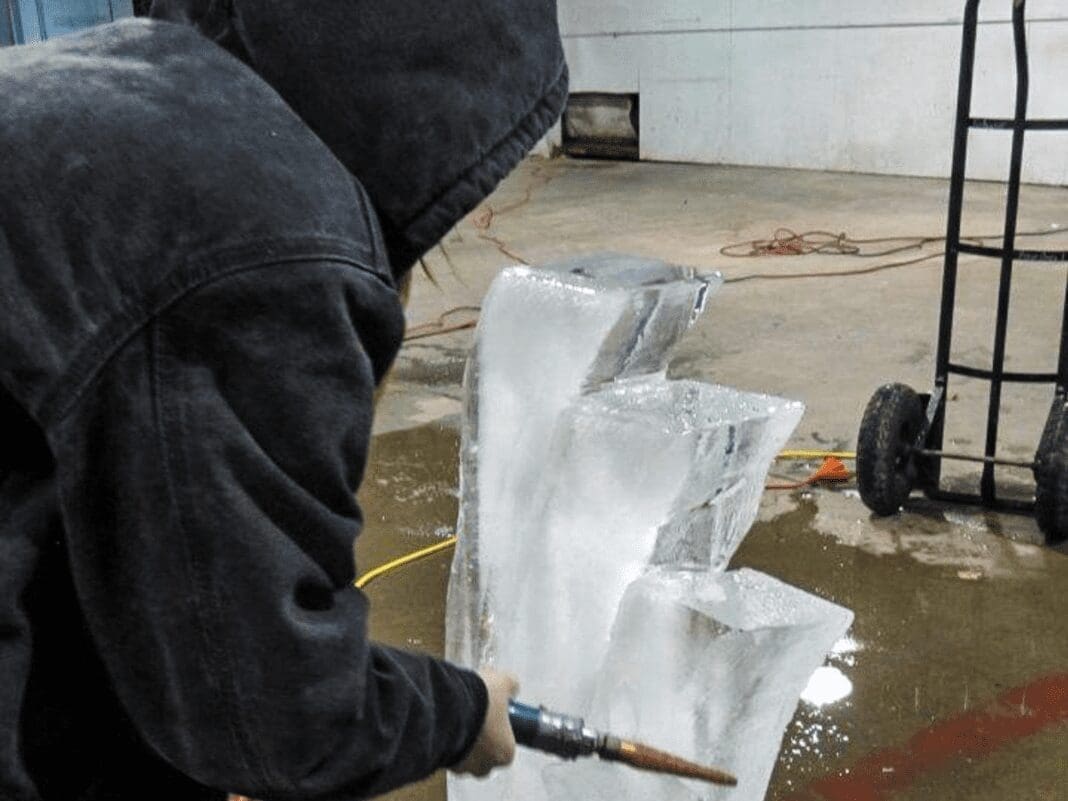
pixel 959 654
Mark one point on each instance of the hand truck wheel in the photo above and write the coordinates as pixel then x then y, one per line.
pixel 887 468
pixel 1051 476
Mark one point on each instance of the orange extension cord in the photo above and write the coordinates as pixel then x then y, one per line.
pixel 832 470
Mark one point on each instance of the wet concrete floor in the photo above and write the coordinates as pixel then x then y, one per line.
pixel 934 640
pixel 953 682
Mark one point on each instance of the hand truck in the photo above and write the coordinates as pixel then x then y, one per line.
pixel 899 447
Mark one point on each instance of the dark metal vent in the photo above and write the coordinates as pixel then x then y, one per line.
pixel 600 125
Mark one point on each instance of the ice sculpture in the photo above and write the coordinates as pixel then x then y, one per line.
pixel 587 476
pixel 709 666
pixel 639 472
pixel 545 336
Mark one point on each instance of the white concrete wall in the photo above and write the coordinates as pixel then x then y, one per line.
pixel 820 84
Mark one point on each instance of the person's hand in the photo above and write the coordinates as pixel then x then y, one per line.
pixel 495 746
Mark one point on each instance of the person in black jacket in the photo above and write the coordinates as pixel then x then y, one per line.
pixel 204 218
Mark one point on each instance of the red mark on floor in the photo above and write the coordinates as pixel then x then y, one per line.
pixel 1013 715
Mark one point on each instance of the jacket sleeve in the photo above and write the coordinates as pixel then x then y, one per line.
pixel 207 480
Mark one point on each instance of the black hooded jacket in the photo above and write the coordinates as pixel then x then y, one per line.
pixel 203 219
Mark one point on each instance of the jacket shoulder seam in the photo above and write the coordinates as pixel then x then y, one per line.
pixel 196 272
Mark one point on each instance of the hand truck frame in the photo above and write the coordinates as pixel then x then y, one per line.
pixel 900 444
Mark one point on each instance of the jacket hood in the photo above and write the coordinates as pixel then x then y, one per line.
pixel 429 105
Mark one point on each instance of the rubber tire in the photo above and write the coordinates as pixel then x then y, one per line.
pixel 1051 476
pixel 886 473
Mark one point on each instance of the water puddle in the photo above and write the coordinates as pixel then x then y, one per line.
pixel 947 618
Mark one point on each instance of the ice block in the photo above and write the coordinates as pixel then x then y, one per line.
pixel 710 666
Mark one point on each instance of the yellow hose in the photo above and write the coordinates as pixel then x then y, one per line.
pixel 437 547
pixel 401 561
pixel 802 455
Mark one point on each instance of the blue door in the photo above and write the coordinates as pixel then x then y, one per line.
pixel 33 20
